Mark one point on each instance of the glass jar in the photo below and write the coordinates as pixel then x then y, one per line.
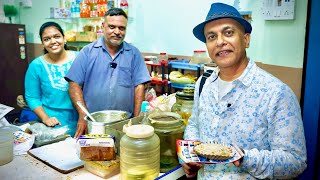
pixel 139 153
pixel 169 127
pixel 184 103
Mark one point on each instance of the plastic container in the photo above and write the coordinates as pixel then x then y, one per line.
pixel 163 58
pixel 184 103
pixel 102 168
pixel 169 127
pixel 6 146
pixel 139 153
pixel 199 57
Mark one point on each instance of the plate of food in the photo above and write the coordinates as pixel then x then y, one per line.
pixel 207 152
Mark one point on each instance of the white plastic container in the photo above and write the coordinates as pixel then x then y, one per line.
pixel 6 146
pixel 103 169
pixel 199 57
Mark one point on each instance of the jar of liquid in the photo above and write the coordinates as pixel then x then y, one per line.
pixel 184 103
pixel 169 127
pixel 139 153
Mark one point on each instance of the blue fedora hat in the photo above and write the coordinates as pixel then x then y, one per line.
pixel 219 11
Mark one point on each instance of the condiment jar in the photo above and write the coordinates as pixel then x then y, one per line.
pixel 199 57
pixel 139 153
pixel 163 58
pixel 184 103
pixel 6 146
pixel 169 127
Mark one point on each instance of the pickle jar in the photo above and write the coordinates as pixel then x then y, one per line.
pixel 169 127
pixel 139 153
pixel 184 103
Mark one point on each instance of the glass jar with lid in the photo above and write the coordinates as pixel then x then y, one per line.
pixel 199 57
pixel 139 153
pixel 184 103
pixel 169 127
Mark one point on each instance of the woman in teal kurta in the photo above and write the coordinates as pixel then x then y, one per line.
pixel 46 90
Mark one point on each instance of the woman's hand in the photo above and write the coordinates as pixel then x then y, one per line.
pixel 51 121
pixel 191 169
pixel 82 127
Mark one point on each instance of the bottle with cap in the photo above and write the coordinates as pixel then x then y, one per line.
pixel 144 112
pixel 124 6
pixel 139 153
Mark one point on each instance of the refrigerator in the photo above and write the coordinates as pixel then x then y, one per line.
pixel 13 63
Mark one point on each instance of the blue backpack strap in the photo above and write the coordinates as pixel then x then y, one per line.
pixel 205 75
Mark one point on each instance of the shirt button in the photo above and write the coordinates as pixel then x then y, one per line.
pixel 216 112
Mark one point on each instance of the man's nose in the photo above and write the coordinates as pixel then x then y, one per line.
pixel 221 40
pixel 117 31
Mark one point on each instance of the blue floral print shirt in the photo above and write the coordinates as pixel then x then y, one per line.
pixel 261 115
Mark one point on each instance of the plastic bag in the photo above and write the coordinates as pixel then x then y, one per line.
pixel 44 133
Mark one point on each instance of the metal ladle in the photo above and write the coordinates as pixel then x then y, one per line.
pixel 85 111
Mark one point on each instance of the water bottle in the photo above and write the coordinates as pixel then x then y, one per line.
pixel 111 4
pixel 144 112
pixel 73 10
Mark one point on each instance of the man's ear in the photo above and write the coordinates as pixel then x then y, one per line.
pixel 247 40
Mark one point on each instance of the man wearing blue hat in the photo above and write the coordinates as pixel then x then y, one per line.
pixel 244 105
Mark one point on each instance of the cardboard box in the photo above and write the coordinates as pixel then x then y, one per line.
pixel 60 12
pixel 86 36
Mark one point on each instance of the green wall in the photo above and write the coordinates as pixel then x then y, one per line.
pixel 166 26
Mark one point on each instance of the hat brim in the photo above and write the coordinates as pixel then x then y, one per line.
pixel 198 31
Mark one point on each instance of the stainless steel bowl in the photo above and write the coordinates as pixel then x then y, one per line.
pixel 104 119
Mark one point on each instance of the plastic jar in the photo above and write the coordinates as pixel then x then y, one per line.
pixel 184 103
pixel 139 153
pixel 199 57
pixel 6 146
pixel 163 58
pixel 169 127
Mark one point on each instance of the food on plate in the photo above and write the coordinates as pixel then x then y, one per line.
pixel 214 151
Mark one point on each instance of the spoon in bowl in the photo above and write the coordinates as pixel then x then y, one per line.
pixel 85 111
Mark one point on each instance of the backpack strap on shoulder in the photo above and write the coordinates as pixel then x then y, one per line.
pixel 205 75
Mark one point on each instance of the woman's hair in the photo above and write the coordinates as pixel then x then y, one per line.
pixel 116 12
pixel 51 24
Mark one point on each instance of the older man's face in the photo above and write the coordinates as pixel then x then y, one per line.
pixel 226 42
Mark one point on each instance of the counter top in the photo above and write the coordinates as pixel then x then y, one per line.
pixel 27 167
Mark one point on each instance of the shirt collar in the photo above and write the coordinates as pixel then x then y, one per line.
pixel 100 43
pixel 245 78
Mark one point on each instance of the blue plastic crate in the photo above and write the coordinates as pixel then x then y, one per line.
pixel 181 86
pixel 184 64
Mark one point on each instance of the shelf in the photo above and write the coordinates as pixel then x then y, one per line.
pixel 159 81
pixel 77 43
pixel 184 64
pixel 181 86
pixel 75 20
